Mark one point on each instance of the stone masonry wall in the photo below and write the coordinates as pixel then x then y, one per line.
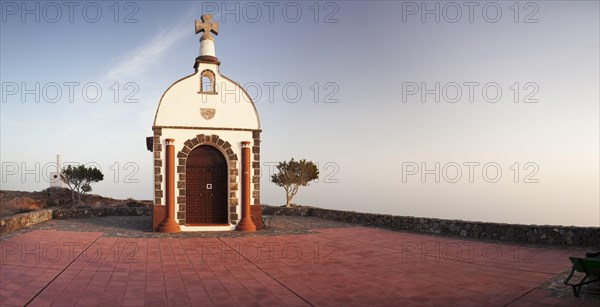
pixel 17 221
pixel 158 163
pixel 256 167
pixel 96 212
pixel 539 234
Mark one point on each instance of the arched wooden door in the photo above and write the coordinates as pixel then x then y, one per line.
pixel 206 187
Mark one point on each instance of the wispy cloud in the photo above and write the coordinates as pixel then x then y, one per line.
pixel 136 62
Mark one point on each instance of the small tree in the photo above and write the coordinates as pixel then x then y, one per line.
pixel 78 179
pixel 294 174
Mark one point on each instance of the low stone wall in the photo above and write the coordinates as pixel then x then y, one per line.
pixel 96 212
pixel 17 221
pixel 554 235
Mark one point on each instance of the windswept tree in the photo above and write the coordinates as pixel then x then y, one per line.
pixel 294 174
pixel 78 179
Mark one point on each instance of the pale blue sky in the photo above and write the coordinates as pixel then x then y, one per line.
pixel 364 57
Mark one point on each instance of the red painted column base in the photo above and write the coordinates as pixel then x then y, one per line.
pixel 169 226
pixel 246 224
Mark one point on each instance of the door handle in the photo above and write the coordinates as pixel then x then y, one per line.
pixel 209 186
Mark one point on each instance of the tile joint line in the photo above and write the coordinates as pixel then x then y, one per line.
pixel 275 279
pixel 522 295
pixel 62 271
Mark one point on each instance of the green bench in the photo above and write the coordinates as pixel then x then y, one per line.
pixel 590 266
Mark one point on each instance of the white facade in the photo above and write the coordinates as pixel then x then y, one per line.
pixel 206 104
pixel 180 104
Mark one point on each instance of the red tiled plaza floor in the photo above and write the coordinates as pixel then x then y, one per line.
pixel 352 266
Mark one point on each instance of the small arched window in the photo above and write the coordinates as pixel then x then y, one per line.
pixel 207 82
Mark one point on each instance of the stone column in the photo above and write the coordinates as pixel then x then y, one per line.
pixel 246 223
pixel 168 224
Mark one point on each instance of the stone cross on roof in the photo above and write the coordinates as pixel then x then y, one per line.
pixel 207 26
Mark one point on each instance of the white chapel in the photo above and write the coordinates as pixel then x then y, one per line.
pixel 206 148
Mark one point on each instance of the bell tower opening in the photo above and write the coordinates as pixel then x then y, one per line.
pixel 207 82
